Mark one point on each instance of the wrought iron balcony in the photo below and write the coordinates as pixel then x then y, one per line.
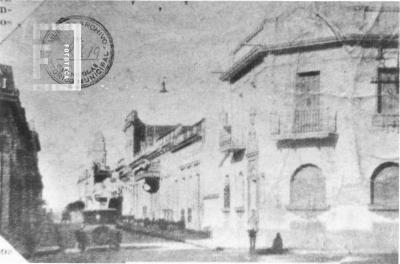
pixel 152 170
pixel 304 124
pixel 386 122
pixel 188 136
pixel 229 141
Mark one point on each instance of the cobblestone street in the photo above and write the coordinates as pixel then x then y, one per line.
pixel 137 247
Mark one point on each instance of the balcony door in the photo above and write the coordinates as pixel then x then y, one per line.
pixel 307 114
pixel 388 91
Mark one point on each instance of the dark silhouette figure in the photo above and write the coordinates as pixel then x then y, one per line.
pixel 277 245
pixel 163 88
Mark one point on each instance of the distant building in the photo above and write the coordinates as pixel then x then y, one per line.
pixel 97 187
pixel 20 180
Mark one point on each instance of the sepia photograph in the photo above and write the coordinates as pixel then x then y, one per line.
pixel 199 131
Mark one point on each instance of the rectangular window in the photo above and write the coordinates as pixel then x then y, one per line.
pixel 183 215
pixel 240 185
pixel 189 215
pixel 307 90
pixel 144 211
pixel 307 112
pixel 388 91
pixel 227 193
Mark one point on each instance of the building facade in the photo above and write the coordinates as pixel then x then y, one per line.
pixel 319 86
pixel 20 179
pixel 309 138
pixel 165 177
pixel 98 186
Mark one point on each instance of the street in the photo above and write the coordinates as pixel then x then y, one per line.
pixel 137 247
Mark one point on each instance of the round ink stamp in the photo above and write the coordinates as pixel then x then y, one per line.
pixel 97 51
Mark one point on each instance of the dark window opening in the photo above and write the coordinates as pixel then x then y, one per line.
pixel 189 215
pixel 183 215
pixel 307 113
pixel 227 193
pixel 144 211
pixel 388 91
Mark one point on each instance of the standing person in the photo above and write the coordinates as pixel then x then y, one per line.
pixel 252 229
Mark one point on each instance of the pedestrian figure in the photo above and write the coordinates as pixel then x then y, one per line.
pixel 252 229
pixel 277 245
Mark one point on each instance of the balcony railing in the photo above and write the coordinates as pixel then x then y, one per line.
pixel 387 122
pixel 186 138
pixel 229 141
pixel 152 171
pixel 302 124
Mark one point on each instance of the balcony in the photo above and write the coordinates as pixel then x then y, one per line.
pixel 386 122
pixel 304 124
pixel 151 176
pixel 229 141
pixel 187 136
pixel 150 171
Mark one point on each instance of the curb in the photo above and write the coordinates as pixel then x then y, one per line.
pixel 159 235
pixel 153 234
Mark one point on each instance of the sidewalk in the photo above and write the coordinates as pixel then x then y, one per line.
pixel 174 235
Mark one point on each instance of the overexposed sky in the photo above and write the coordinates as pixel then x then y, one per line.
pixel 187 44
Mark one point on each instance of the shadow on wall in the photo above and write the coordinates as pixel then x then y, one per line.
pixel 329 141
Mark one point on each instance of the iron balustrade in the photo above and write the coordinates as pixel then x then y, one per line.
pixel 386 121
pixel 317 122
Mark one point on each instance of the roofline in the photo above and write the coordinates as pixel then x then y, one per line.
pixel 150 156
pixel 250 36
pixel 313 44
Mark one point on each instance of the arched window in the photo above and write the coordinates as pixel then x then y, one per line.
pixel 307 189
pixel 227 193
pixel 385 186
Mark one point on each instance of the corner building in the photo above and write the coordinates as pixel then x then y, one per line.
pixel 318 89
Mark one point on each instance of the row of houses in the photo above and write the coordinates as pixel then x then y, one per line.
pixel 309 138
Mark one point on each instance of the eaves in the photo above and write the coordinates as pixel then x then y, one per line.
pixel 260 51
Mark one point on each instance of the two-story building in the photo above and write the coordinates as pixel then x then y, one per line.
pixel 164 179
pixel 318 89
